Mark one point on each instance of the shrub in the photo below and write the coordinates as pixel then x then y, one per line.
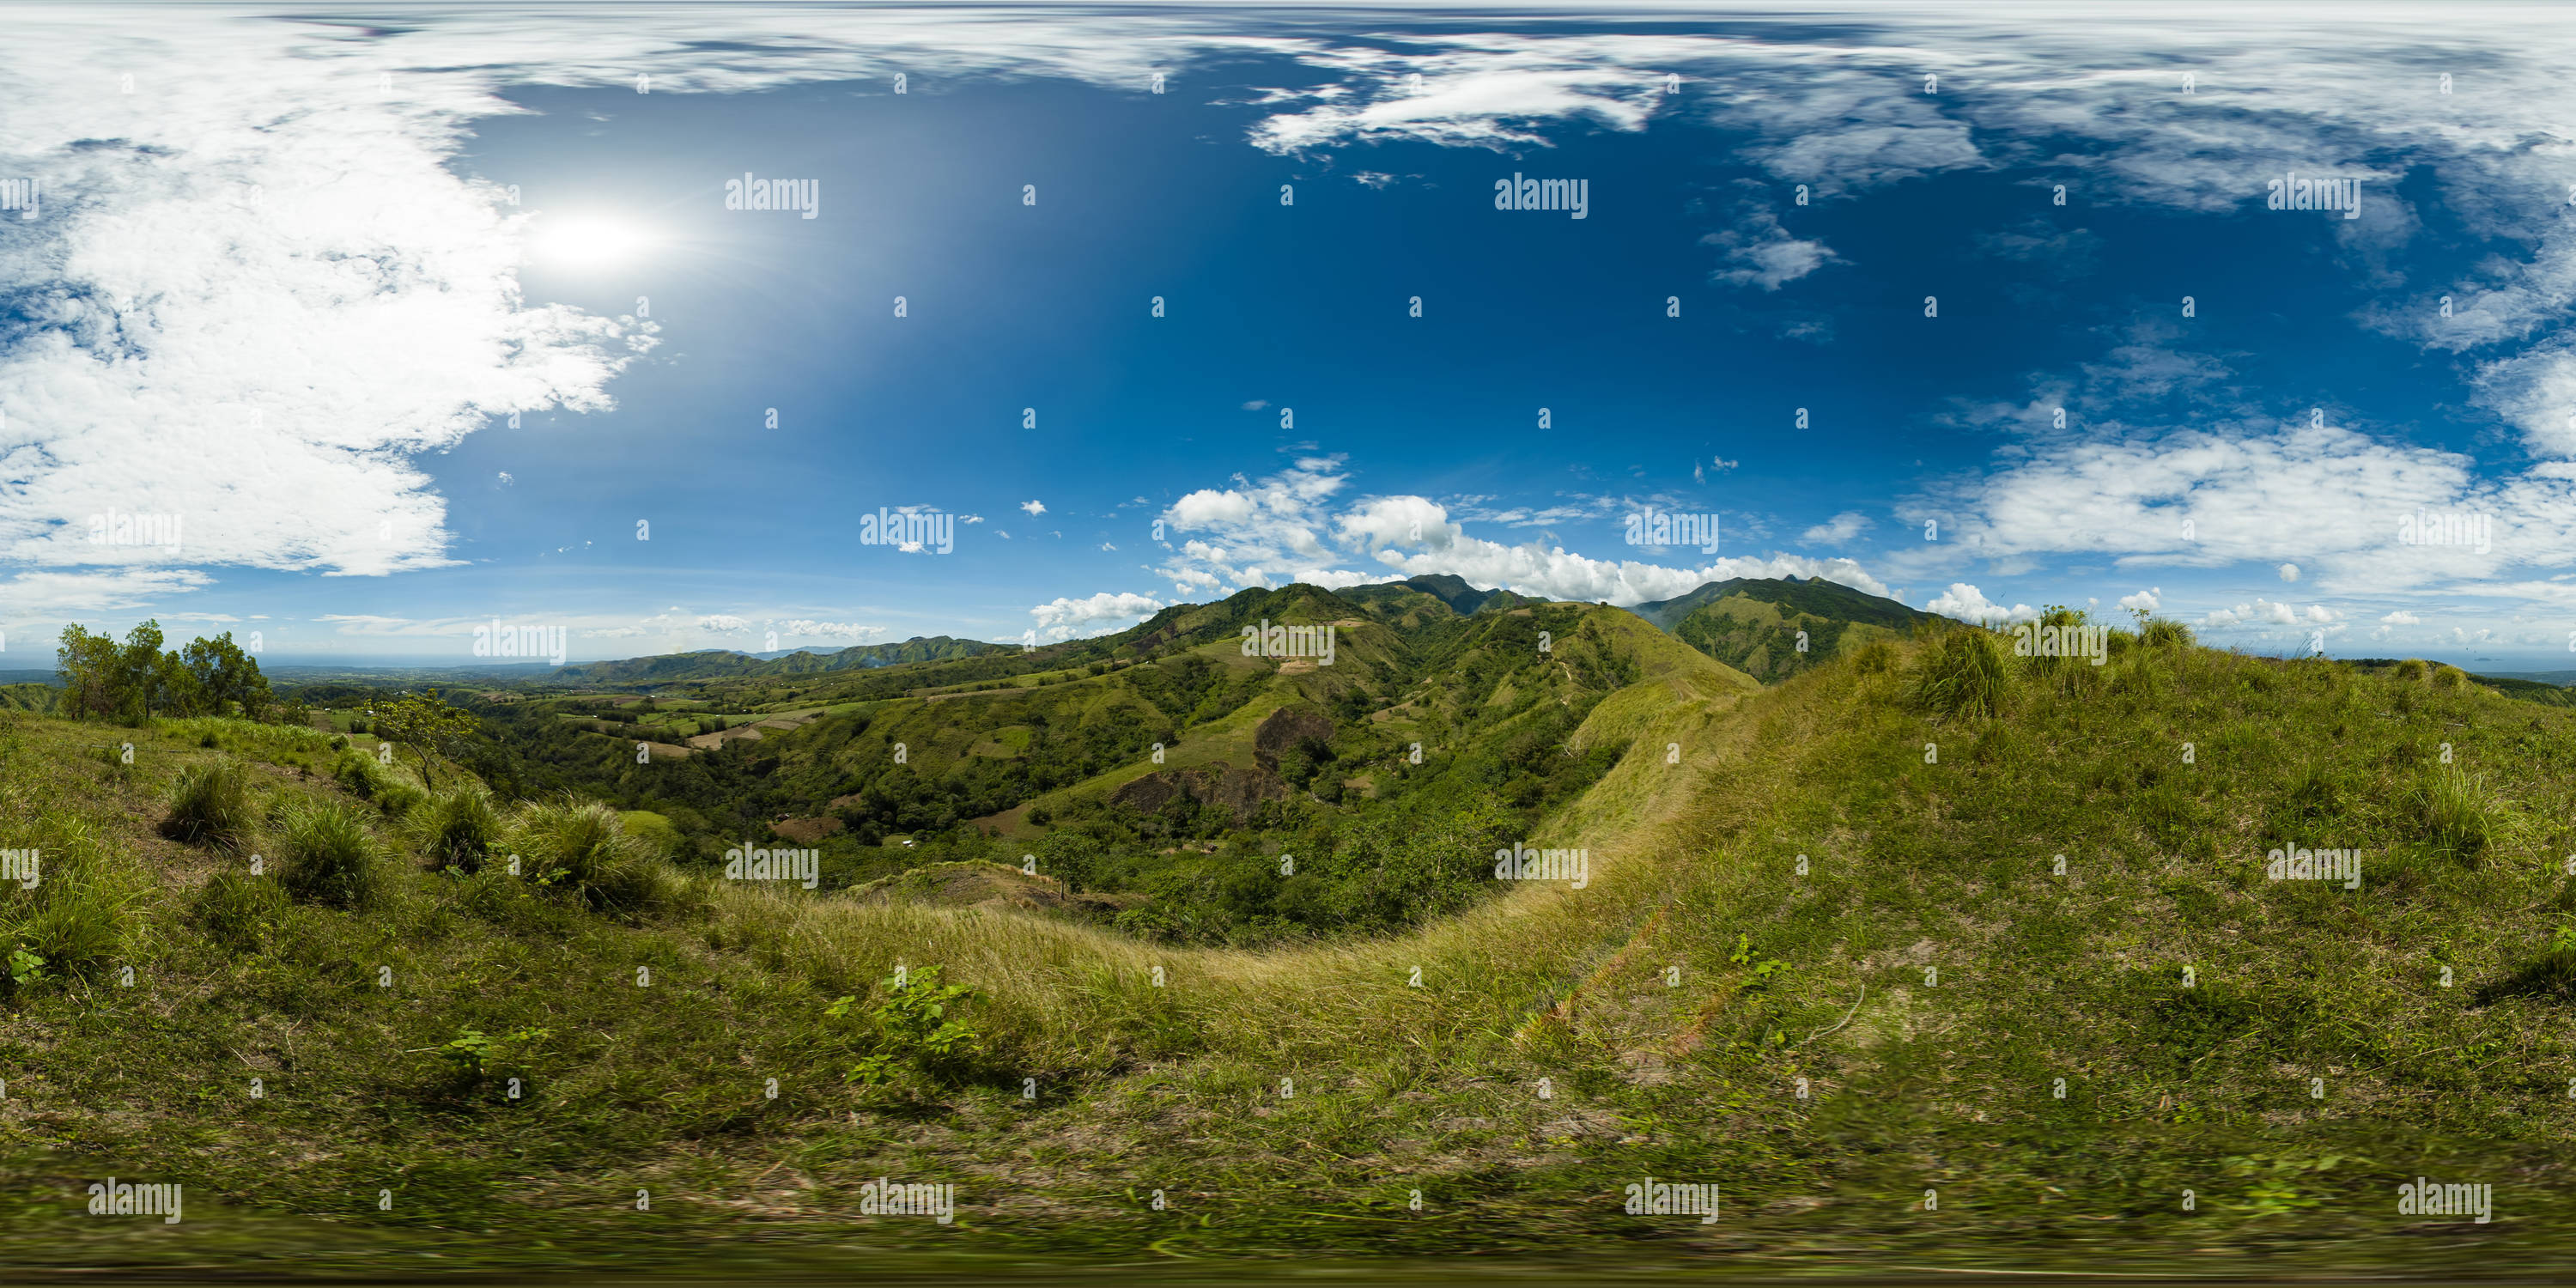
pixel 210 803
pixel 457 829
pixel 584 847
pixel 358 773
pixel 2410 671
pixel 1874 658
pixel 325 855
pixel 910 1025
pixel 1962 672
pixel 2450 678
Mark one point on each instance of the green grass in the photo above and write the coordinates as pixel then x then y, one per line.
pixel 1930 974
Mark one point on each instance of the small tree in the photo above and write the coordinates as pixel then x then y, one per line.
pixel 425 723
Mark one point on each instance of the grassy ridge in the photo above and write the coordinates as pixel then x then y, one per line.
pixel 1930 975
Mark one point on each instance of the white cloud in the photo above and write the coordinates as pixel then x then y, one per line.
pixel 1969 604
pixel 1282 529
pixel 2144 601
pixel 1838 529
pixel 2264 612
pixel 2402 618
pixel 1063 619
pixel 2289 572
pixel 1033 508
pixel 1764 254
pixel 805 629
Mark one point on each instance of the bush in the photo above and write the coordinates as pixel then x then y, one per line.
pixel 210 803
pixel 358 773
pixel 584 847
pixel 457 829
pixel 1962 672
pixel 911 1025
pixel 326 855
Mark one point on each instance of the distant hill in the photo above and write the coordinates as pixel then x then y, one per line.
pixel 708 664
pixel 30 697
pixel 1754 624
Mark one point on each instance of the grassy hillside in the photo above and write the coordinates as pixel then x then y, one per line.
pixel 1773 628
pixel 30 697
pixel 1928 977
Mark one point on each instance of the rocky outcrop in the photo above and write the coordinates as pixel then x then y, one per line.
pixel 1287 727
pixel 1235 790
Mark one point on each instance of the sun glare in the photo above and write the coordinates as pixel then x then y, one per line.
pixel 586 241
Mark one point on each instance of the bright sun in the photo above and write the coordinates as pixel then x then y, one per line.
pixel 586 241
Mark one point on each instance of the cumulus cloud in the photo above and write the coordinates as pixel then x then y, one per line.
pixel 1762 253
pixel 2402 618
pixel 1838 529
pixel 1969 604
pixel 2264 612
pixel 1064 618
pixel 1284 528
pixel 2145 601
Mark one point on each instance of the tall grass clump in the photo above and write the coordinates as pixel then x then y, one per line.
pixel 398 799
pixel 455 830
pixel 358 774
pixel 210 803
pixel 2165 633
pixel 583 847
pixel 77 920
pixel 326 855
pixel 2455 813
pixel 1874 658
pixel 1962 672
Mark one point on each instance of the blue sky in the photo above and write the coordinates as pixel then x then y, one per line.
pixel 299 314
